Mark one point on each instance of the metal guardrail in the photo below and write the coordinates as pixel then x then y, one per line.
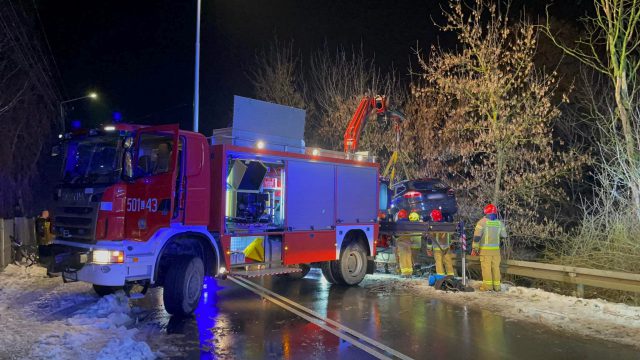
pixel 569 274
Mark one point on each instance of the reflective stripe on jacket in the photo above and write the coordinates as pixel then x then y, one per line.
pixel 487 234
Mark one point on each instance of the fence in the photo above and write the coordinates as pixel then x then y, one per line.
pixel 23 229
pixel 570 275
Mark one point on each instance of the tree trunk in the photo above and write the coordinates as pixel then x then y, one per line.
pixel 497 185
pixel 622 102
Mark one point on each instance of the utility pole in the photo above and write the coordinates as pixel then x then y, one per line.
pixel 196 87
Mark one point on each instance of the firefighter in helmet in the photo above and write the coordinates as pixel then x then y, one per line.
pixel 486 243
pixel 403 248
pixel 439 246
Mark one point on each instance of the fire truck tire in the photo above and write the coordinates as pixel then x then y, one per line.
pixel 327 272
pixel 183 285
pixel 352 266
pixel 298 275
pixel 105 290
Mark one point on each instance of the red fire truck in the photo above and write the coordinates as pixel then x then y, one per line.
pixel 160 206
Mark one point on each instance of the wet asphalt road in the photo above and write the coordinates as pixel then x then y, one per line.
pixel 233 322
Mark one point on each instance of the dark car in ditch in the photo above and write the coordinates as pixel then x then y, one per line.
pixel 423 196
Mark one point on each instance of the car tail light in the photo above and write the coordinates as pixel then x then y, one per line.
pixel 451 192
pixel 412 194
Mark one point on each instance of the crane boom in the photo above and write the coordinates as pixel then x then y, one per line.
pixel 369 104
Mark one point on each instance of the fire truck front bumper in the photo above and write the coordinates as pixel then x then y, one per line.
pixel 106 275
pixel 99 267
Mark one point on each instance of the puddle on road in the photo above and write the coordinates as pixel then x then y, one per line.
pixel 236 324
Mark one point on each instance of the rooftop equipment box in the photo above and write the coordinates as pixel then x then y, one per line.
pixel 259 123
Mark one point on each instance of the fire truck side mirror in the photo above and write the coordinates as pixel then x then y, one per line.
pixel 55 150
pixel 127 165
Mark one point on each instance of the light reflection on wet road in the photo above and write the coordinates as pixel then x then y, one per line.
pixel 232 322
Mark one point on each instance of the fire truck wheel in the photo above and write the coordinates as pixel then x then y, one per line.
pixel 183 285
pixel 300 274
pixel 352 266
pixel 327 272
pixel 105 290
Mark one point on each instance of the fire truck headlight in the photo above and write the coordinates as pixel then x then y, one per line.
pixel 222 270
pixel 260 144
pixel 107 257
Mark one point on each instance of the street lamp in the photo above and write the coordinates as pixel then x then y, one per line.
pixel 91 95
pixel 196 83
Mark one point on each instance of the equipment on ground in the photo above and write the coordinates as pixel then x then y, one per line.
pixel 448 283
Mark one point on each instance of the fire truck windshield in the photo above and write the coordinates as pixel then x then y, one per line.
pixel 93 160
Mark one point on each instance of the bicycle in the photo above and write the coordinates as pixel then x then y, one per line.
pixel 20 252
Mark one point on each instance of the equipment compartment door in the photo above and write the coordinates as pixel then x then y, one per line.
pixel 309 196
pixel 306 247
pixel 149 204
pixel 357 195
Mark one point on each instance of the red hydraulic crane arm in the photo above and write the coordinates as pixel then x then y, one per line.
pixel 359 119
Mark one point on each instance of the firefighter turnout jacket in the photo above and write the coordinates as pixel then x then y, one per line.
pixel 487 235
pixel 440 243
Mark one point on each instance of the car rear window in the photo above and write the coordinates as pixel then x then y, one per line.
pixel 429 185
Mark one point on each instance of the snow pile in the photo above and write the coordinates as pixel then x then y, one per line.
pixel 42 318
pixel 589 317
pixel 110 312
pixel 126 349
pixel 99 330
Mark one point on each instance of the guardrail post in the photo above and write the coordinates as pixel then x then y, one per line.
pixel 580 290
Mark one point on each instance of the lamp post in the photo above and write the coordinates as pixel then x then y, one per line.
pixel 62 122
pixel 196 86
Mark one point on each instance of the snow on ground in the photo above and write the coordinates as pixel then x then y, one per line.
pixel 42 318
pixel 589 317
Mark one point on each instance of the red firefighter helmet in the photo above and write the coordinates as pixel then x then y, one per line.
pixel 402 214
pixel 436 215
pixel 490 209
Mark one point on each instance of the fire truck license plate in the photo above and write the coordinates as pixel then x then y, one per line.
pixel 135 205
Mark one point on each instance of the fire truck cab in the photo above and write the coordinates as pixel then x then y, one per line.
pixel 159 206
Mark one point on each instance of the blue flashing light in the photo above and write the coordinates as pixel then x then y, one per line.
pixel 116 116
pixel 76 124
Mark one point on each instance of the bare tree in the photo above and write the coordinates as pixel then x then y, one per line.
pixel 487 117
pixel 329 88
pixel 336 83
pixel 276 75
pixel 28 103
pixel 612 48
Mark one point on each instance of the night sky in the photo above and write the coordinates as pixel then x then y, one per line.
pixel 139 55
